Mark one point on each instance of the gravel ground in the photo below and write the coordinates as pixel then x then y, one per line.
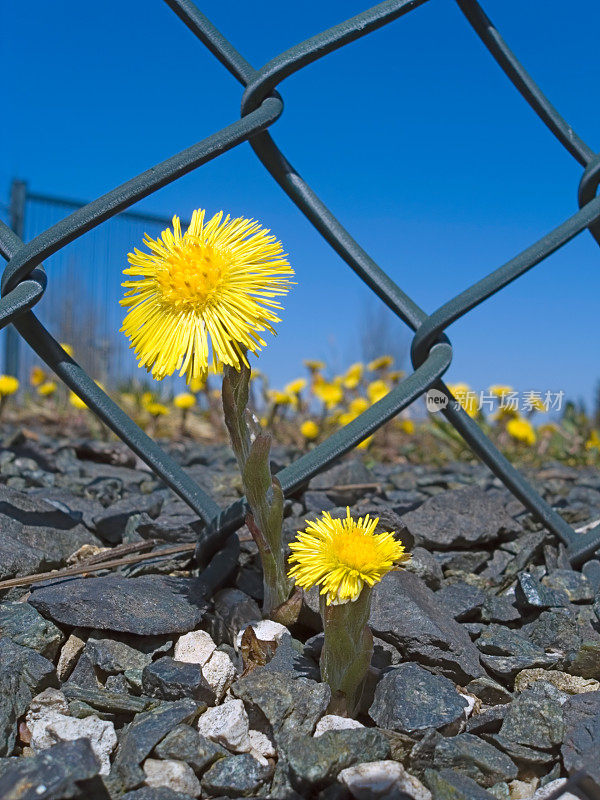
pixel 134 683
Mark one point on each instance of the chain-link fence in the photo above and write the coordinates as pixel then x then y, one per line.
pixel 24 280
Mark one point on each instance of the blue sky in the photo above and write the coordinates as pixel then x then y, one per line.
pixel 412 136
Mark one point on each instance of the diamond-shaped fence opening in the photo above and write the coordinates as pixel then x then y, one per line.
pixel 24 279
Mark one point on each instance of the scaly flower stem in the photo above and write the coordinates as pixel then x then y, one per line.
pixel 347 650
pixel 263 492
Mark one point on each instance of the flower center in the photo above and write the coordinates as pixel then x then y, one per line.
pixel 354 550
pixel 191 275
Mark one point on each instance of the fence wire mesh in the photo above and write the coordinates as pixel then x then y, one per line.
pixel 24 280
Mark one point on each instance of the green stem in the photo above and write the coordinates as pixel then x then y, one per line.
pixel 347 650
pixel 263 492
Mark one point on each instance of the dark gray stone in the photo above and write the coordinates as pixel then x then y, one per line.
pixel 489 691
pixel 234 610
pixel 289 659
pixel 406 613
pixel 170 527
pixel 110 523
pixel 114 656
pixel 347 473
pixel 507 652
pixel 410 699
pixel 488 721
pixel 581 746
pixel 83 674
pixel 149 605
pixel 535 718
pixel 141 737
pixel 291 705
pixel 574 584
pixel 462 600
pixel 64 770
pixel 37 672
pixel 449 785
pixel 521 754
pixel 25 626
pixel 425 565
pixel 531 594
pixel 235 776
pixel 460 519
pixel 168 679
pixel 107 701
pixel 184 743
pixel 586 661
pixel 155 793
pixel 498 608
pixel 317 502
pixel 476 759
pixel 316 761
pixel 555 631
pixel 116 453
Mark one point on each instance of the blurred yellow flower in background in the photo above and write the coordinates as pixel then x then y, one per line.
pixel 329 394
pixel 499 389
pixel 37 376
pixel 522 430
pixel 47 388
pixel 196 385
pixel 67 348
pixel 280 398
pixel 309 429
pixel 157 409
pixel 465 398
pixel 382 362
pixel 377 390
pixel 593 441
pixel 76 401
pixel 295 387
pixel 8 385
pixel 358 404
pixel 365 444
pixel 314 366
pixel 406 425
pixel 184 401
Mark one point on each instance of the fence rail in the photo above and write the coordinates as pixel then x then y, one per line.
pixel 24 283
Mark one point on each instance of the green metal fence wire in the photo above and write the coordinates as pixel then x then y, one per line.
pixel 24 280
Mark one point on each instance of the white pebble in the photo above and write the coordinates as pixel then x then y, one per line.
pixel 55 727
pixel 219 672
pixel 546 791
pixel 471 700
pixel 261 744
pixel 380 779
pixel 227 725
pixel 68 656
pixel 195 647
pixel 175 775
pixel 265 629
pixel 331 722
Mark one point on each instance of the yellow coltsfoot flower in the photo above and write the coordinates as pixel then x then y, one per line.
pixel 342 555
pixel 47 388
pixel 211 288
pixel 382 362
pixel 522 430
pixel 345 558
pixel 309 429
pixel 8 385
pixel 184 401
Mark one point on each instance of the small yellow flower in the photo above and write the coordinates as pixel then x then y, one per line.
pixel 499 389
pixel 347 417
pixel 396 376
pixel 522 430
pixel 465 397
pixel 280 398
pixel 309 429
pixel 295 387
pixel 314 366
pixel 593 442
pixel 146 398
pixel 377 390
pixel 407 426
pixel 358 405
pixel 365 444
pixel 184 401
pixel 330 394
pixel 196 385
pixel 157 409
pixel 37 376
pixel 537 404
pixel 47 388
pixel 342 555
pixel 76 401
pixel 8 385
pixel 383 362
pixel 353 375
pixel 212 288
pixel 67 348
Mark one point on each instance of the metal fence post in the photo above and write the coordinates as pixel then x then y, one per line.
pixel 18 196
